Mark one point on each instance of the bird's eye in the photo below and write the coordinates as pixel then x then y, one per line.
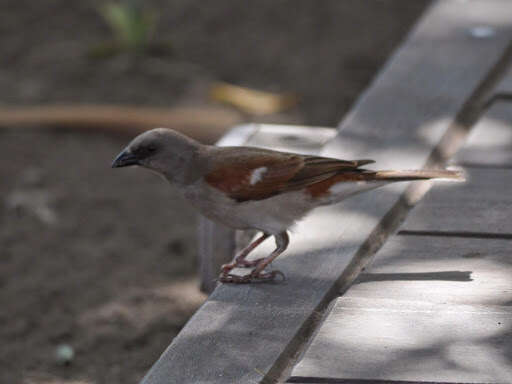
pixel 151 148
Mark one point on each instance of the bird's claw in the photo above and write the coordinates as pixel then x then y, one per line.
pixel 226 268
pixel 260 277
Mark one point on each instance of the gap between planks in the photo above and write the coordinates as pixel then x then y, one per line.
pixel 465 234
pixel 453 140
pixel 483 166
pixel 323 380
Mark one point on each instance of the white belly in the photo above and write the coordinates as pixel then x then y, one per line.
pixel 273 215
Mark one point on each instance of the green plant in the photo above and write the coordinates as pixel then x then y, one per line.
pixel 131 24
pixel 132 27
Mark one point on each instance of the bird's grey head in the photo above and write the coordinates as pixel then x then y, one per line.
pixel 162 150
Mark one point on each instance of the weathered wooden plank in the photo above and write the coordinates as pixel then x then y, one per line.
pixel 218 244
pixel 447 271
pixel 245 334
pixel 490 141
pixel 443 270
pixel 281 137
pixel 395 341
pixel 504 86
pixel 483 204
pixel 292 138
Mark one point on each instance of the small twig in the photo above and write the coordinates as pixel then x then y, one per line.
pixel 204 123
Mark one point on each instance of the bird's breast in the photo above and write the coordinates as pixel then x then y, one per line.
pixel 272 215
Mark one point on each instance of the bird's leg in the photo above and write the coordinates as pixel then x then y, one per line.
pixel 239 260
pixel 282 241
pixel 257 275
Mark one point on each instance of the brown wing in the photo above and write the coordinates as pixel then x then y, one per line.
pixel 245 173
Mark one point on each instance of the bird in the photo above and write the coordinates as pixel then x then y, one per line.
pixel 250 188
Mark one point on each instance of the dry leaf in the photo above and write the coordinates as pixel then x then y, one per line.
pixel 252 101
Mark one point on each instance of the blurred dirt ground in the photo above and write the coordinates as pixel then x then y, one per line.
pixel 104 260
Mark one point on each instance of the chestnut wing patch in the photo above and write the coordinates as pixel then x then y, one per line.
pixel 255 174
pixel 254 177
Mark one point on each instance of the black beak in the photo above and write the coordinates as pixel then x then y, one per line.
pixel 125 159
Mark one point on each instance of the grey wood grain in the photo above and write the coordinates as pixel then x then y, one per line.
pixel 399 340
pixel 246 334
pixel 406 316
pixel 505 85
pixel 442 270
pixel 483 204
pixel 217 243
pixel 292 138
pixel 490 141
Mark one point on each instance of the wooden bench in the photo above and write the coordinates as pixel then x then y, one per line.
pixel 417 110
pixel 435 304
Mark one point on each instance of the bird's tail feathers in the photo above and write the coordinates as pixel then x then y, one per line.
pixel 452 175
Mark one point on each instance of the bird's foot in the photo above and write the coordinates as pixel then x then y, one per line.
pixel 260 277
pixel 226 268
